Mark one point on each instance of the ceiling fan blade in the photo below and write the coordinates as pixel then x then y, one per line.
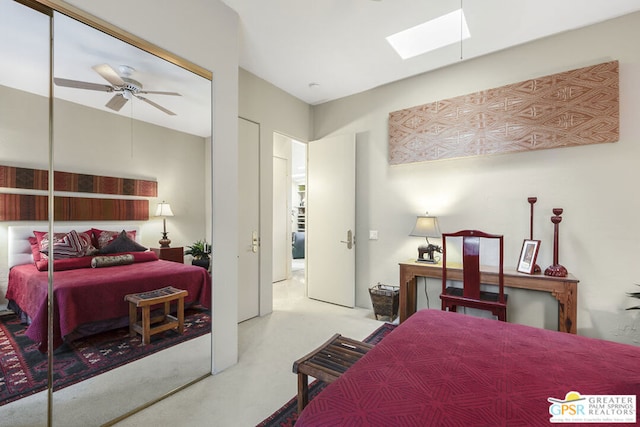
pixel 82 85
pixel 109 74
pixel 117 102
pixel 159 107
pixel 160 93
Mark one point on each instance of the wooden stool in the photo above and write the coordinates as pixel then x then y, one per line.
pixel 327 363
pixel 148 325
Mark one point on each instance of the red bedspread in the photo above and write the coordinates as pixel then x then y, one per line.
pixel 87 295
pixel 447 369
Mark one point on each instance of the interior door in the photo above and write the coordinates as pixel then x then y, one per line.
pixel 331 213
pixel 249 220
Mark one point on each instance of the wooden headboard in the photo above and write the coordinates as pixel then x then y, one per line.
pixel 19 249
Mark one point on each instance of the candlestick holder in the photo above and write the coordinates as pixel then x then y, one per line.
pixel 556 269
pixel 532 201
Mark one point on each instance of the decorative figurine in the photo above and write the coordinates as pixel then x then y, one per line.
pixel 428 249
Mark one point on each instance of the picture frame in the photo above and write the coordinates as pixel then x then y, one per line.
pixel 528 256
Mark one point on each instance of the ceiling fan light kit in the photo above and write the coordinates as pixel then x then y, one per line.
pixel 124 87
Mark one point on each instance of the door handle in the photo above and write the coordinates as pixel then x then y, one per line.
pixel 350 240
pixel 254 242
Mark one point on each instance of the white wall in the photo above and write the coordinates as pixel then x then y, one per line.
pixel 204 32
pixel 275 111
pixel 599 234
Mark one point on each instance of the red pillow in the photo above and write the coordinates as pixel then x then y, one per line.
pixel 65 264
pixel 42 238
pixel 102 238
pixel 35 249
pixel 43 241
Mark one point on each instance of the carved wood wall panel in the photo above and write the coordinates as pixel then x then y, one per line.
pixel 27 207
pixel 38 179
pixel 572 108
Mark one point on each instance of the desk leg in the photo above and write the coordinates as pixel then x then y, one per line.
pixel 567 307
pixel 408 301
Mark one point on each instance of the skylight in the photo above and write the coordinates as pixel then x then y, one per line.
pixel 431 35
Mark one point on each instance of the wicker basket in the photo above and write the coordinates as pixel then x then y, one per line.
pixel 385 300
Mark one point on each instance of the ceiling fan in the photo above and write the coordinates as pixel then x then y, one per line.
pixel 122 85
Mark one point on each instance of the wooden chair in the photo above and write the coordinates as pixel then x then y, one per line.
pixel 470 294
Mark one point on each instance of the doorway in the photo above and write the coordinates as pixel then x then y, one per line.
pixel 299 204
pixel 320 217
pixel 289 207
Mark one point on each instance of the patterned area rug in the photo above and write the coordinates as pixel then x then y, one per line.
pixel 23 369
pixel 288 414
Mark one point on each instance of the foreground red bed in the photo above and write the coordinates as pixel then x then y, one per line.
pixel 87 296
pixel 441 368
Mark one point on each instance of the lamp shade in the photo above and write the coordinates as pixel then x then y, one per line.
pixel 164 209
pixel 426 226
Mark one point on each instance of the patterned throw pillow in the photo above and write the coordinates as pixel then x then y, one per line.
pixel 69 246
pixel 66 245
pixel 103 237
pixel 109 260
pixel 89 249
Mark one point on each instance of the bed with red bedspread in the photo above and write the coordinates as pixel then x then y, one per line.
pixel 89 300
pixel 441 368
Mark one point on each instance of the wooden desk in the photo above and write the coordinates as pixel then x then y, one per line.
pixel 564 289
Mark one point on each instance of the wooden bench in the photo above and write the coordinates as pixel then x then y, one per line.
pixel 327 363
pixel 147 325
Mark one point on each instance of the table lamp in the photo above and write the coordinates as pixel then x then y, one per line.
pixel 164 210
pixel 427 226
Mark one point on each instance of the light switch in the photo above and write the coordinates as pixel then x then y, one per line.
pixel 373 234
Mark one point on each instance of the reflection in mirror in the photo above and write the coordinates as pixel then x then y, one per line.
pixel 24 143
pixel 123 113
pixel 111 158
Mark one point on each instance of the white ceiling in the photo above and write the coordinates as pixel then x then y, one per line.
pixel 337 44
pixel 341 46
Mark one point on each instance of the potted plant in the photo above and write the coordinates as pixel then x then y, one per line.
pixel 200 251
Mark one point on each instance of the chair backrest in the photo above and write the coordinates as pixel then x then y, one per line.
pixel 471 262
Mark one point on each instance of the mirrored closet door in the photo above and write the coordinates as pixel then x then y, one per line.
pixel 125 116
pixel 24 145
pixel 129 131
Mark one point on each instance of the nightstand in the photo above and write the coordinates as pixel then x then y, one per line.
pixel 170 254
